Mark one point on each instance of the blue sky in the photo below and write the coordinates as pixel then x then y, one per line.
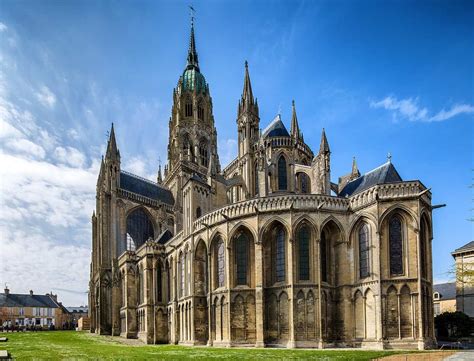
pixel 380 77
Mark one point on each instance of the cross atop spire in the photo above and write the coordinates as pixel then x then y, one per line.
pixel 192 60
pixel 295 129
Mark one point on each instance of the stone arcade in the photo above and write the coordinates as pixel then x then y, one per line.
pixel 265 252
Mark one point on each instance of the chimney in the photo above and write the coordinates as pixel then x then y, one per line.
pixel 31 292
pixel 7 291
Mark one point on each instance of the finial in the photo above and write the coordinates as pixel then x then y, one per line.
pixel 389 157
pixel 246 64
pixel 192 12
pixel 293 102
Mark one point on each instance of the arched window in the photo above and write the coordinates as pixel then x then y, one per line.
pixel 203 154
pixel 200 112
pixel 241 258
pixel 396 245
pixel 303 252
pixel 158 283
pixel 139 229
pixel 198 212
pixel 305 185
pixel 364 267
pixel 182 273
pixel 324 257
pixel 189 108
pixel 168 281
pixel 279 256
pixel 220 263
pixel 282 176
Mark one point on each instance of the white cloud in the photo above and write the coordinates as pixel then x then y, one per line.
pixel 46 97
pixel 3 27
pixel 227 151
pixel 411 110
pixel 73 134
pixel 70 156
pixel 26 146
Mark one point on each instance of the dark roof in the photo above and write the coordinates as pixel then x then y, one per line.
pixel 145 187
pixel 276 129
pixel 447 291
pixel 469 247
pixel 19 300
pixel 164 237
pixel 386 173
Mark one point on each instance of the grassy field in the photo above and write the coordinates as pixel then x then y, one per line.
pixel 61 345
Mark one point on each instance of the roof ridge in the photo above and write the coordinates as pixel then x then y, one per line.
pixel 143 179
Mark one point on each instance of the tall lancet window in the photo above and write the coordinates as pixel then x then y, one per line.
pixel 220 263
pixel 396 245
pixel 324 257
pixel 364 257
pixel 241 258
pixel 204 153
pixel 282 174
pixel 188 108
pixel 303 252
pixel 279 253
pixel 256 179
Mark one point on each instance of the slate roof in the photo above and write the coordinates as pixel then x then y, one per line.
pixel 164 237
pixel 447 291
pixel 145 187
pixel 469 247
pixel 386 173
pixel 276 129
pixel 20 300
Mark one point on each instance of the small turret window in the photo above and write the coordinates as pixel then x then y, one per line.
pixel 189 109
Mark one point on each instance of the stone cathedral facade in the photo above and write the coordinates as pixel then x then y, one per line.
pixel 267 251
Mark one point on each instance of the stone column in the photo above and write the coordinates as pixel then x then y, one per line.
pixel 378 297
pixel 421 331
pixel 259 299
pixel 291 297
pixel 319 311
pixel 209 298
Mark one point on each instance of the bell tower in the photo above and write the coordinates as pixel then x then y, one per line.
pixel 192 145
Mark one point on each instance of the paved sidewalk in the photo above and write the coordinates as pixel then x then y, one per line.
pixel 461 356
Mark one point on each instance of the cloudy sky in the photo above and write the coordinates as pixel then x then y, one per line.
pixel 379 76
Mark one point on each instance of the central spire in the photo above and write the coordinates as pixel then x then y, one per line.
pixel 192 53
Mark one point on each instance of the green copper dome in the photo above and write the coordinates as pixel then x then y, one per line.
pixel 193 80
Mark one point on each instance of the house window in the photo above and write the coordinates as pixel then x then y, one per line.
pixel 396 246
pixel 220 263
pixel 241 258
pixel 364 268
pixel 282 174
pixel 303 252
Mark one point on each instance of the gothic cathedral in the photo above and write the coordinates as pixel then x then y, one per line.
pixel 267 251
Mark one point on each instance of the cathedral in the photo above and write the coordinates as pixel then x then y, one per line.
pixel 265 252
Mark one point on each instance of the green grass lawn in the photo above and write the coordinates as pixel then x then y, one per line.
pixel 59 345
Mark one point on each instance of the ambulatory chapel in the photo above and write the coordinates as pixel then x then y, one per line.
pixel 267 251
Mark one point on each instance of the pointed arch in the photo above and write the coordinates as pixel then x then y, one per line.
pixel 392 313
pixel 406 320
pixel 282 173
pixel 401 209
pixel 200 269
pixel 331 233
pixel 358 315
pixel 275 252
pixel 304 250
pixel 370 314
pixel 395 244
pixel 243 251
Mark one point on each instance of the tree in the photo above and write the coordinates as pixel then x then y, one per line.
pixel 463 273
pixel 453 325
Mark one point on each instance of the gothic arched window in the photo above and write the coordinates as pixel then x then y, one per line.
pixel 220 263
pixel 256 179
pixel 364 261
pixel 203 154
pixel 396 245
pixel 279 253
pixel 188 108
pixel 422 259
pixel 241 258
pixel 324 257
pixel 304 183
pixel 303 252
pixel 158 283
pixel 200 112
pixel 282 174
pixel 139 229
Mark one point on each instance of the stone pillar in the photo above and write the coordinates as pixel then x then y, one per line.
pixel 116 301
pixel 421 331
pixel 291 297
pixel 259 299
pixel 378 297
pixel 319 311
pixel 210 305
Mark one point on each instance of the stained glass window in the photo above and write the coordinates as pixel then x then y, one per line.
pixel 303 252
pixel 241 258
pixel 280 254
pixel 324 257
pixel 282 176
pixel 396 246
pixel 364 268
pixel 139 229
pixel 220 264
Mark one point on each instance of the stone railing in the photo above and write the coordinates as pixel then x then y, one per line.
pixel 142 199
pixel 271 204
pixel 389 191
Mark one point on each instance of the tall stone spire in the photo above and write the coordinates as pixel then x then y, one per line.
pixel 324 147
pixel 112 150
pixel 247 96
pixel 192 53
pixel 295 129
pixel 355 170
